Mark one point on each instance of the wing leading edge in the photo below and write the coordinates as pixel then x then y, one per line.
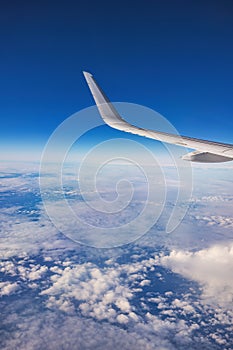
pixel 205 151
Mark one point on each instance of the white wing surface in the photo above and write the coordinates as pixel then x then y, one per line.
pixel 205 151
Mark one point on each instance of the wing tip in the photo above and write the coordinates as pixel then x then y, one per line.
pixel 87 74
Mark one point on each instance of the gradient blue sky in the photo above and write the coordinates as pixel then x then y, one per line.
pixel 174 56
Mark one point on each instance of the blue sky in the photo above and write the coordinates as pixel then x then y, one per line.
pixel 172 56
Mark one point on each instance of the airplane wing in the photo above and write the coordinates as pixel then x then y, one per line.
pixel 205 151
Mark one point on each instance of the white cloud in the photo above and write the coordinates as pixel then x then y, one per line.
pixel 102 293
pixel 223 221
pixel 122 319
pixel 211 267
pixel 99 291
pixel 107 294
pixel 55 330
pixel 144 283
pixel 123 305
pixel 184 306
pixel 37 272
pixel 7 288
pixel 213 198
pixel 22 237
pixel 7 267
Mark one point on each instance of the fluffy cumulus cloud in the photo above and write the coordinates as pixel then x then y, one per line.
pixel 211 267
pixel 108 294
pixel 222 221
pixel 7 288
pixel 32 273
pixel 101 293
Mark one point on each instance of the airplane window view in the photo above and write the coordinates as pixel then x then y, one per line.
pixel 116 175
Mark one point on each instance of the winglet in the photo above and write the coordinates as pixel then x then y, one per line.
pixel 87 74
pixel 106 109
